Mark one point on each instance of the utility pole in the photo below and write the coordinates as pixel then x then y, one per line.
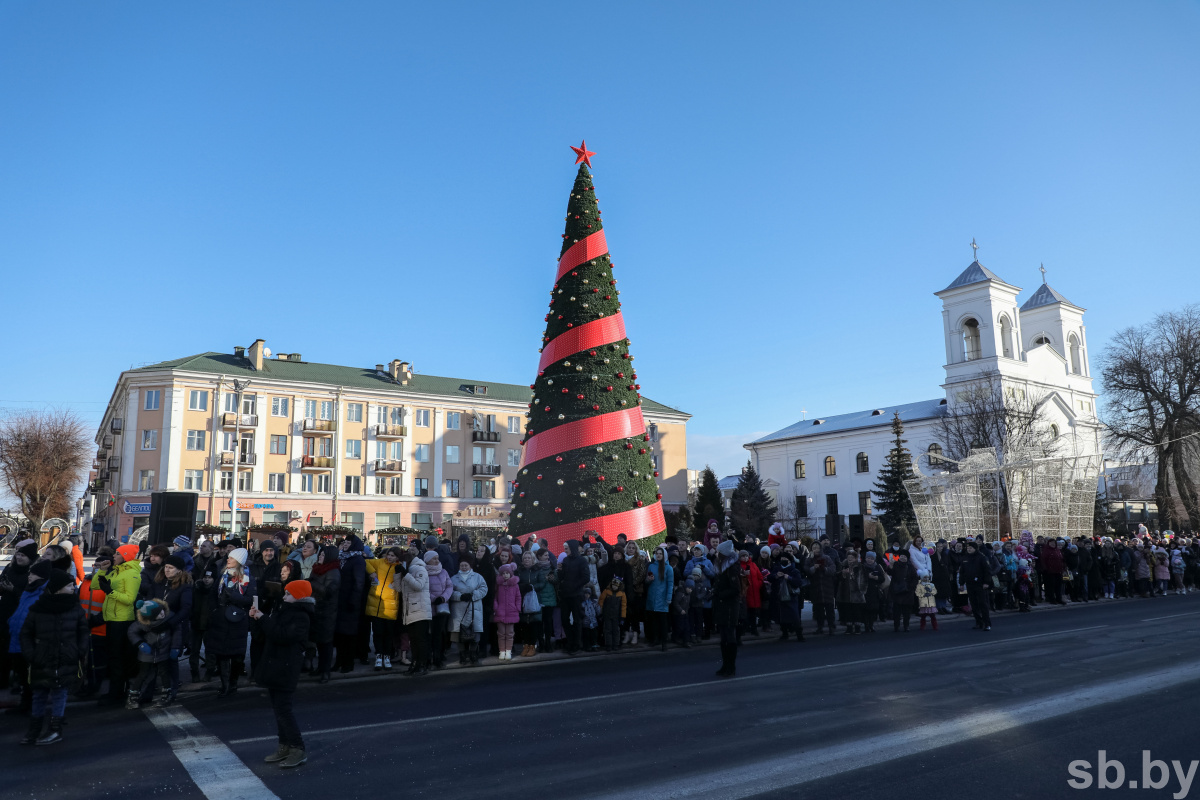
pixel 238 388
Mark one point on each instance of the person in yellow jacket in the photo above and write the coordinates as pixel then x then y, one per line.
pixel 383 603
pixel 120 580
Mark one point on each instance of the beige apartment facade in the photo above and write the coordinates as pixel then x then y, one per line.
pixel 312 444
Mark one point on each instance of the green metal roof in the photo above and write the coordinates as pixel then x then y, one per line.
pixel 357 377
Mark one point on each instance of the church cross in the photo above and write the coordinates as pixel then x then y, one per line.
pixel 1042 268
pixel 974 249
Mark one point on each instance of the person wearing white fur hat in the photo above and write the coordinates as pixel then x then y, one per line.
pixel 228 622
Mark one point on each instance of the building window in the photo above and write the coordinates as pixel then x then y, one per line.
pixel 1006 336
pixel 451 488
pixel 152 398
pixel 353 484
pixel 226 484
pixel 326 409
pixel 1041 340
pixel 864 503
pixel 421 487
pixel 198 400
pixel 514 424
pixel 146 480
pixel 353 519
pixel 201 517
pixel 971 347
pixel 935 453
pixel 421 452
pixel 383 521
pixel 325 483
pixel 316 522
pixel 830 466
pixel 799 469
pixel 862 463
pixel 395 486
pixel 483 489
pixel 831 504
pixel 451 454
pixel 231 402
pixel 196 440
pixel 1053 431
pixel 354 412
pixel 354 448
pixel 149 440
pixel 278 445
pixel 1073 349
pixel 483 455
pixel 193 480
pixel 306 483
pixel 453 420
pixel 514 458
pixel 249 403
pixel 421 418
pixel 275 482
pixel 801 506
pixel 653 431
pixel 244 481
pixel 279 406
pixel 422 522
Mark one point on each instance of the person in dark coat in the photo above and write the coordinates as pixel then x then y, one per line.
pixel 727 605
pixel 326 581
pixel 286 631
pixel 173 585
pixel 903 590
pixel 12 585
pixel 54 643
pixel 462 549
pixel 786 583
pixel 206 571
pixel 975 574
pixel 823 567
pixel 573 576
pixel 265 569
pixel 228 624
pixel 150 568
pixel 942 575
pixel 487 570
pixel 351 592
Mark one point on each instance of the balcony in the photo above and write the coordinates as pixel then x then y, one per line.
pixel 316 463
pixel 103 475
pixel 101 454
pixel 106 441
pixel 485 469
pixel 114 463
pixel 247 460
pixel 391 431
pixel 386 467
pixel 319 426
pixel 485 436
pixel 231 420
pixel 117 426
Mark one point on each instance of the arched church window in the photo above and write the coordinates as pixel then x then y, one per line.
pixel 971 347
pixel 830 466
pixel 1006 336
pixel 861 463
pixel 1054 430
pixel 799 468
pixel 1076 361
pixel 935 453
pixel 1041 339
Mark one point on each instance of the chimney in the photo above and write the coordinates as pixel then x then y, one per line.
pixel 239 352
pixel 379 368
pixel 256 354
pixel 400 371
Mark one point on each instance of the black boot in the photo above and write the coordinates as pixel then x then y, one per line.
pixel 35 730
pixel 54 734
pixel 224 668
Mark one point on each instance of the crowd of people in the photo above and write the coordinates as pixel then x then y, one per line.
pixel 274 610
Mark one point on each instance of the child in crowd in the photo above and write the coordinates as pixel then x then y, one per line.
pixel 612 612
pixel 927 601
pixel 1177 570
pixel 1024 587
pixel 681 605
pixel 700 600
pixel 157 643
pixel 591 615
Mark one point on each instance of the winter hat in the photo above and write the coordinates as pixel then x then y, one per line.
pixel 41 569
pixel 239 555
pixel 177 562
pixel 698 546
pixel 508 568
pixel 870 555
pixel 129 552
pixel 299 589
pixel 57 580
pixel 29 548
pixel 516 550
pixel 726 549
pixel 696 573
pixel 267 545
pixel 765 552
pixel 152 608
pixel 182 541
pixel 429 556
pixel 689 583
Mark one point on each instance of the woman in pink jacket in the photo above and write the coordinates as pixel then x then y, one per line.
pixel 507 607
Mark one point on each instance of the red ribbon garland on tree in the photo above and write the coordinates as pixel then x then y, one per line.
pixel 592 246
pixel 636 523
pixel 587 336
pixel 585 433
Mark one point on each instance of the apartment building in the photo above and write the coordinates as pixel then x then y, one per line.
pixel 310 444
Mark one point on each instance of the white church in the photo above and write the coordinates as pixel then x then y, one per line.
pixel 829 464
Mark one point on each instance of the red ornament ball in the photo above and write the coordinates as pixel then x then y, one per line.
pixel 578 397
pixel 595 408
pixel 620 488
pixel 608 388
pixel 620 374
pixel 646 438
pixel 642 451
pixel 608 297
pixel 565 390
pixel 658 497
pixel 639 503
pixel 591 352
pixel 601 478
pixel 628 446
pixel 583 466
pixel 539 477
pixel 557 510
pixel 656 473
pixel 558 458
pixel 570 324
pixel 575 274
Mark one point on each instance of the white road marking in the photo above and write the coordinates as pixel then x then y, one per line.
pixel 804 766
pixel 213 767
pixel 1172 616
pixel 672 688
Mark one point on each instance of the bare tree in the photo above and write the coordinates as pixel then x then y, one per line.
pixel 43 456
pixel 986 413
pixel 1151 376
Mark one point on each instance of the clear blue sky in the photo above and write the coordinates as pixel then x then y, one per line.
pixel 784 185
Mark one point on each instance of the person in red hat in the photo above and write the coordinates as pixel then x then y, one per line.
pixel 285 631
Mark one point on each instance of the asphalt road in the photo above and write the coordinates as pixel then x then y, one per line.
pixel 954 714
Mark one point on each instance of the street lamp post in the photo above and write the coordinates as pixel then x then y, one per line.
pixel 238 388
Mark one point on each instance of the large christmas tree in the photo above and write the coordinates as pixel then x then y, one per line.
pixel 587 464
pixel 891 498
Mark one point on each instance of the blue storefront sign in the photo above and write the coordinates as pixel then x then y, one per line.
pixel 136 508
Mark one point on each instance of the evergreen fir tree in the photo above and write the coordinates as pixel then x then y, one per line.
pixel 586 465
pixel 891 498
pixel 709 503
pixel 751 509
